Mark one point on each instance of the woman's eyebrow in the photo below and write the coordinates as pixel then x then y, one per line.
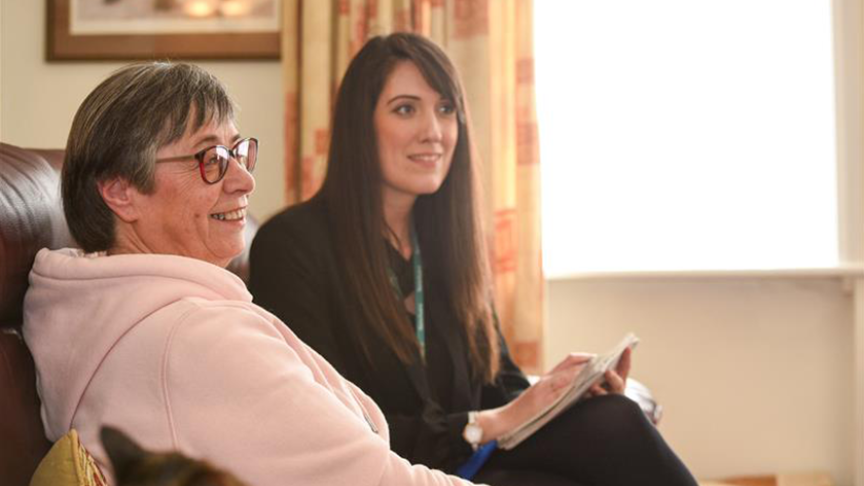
pixel 398 97
pixel 206 139
pixel 213 139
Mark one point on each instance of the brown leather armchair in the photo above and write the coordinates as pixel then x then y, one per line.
pixel 31 218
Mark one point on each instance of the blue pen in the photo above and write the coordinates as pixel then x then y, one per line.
pixel 476 461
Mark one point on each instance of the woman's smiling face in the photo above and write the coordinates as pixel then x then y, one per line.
pixel 186 216
pixel 417 130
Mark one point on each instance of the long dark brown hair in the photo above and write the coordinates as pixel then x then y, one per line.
pixel 448 222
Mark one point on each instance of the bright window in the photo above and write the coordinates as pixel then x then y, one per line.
pixel 686 134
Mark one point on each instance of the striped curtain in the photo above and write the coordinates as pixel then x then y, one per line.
pixel 490 41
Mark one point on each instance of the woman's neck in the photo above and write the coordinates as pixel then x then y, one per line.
pixel 397 216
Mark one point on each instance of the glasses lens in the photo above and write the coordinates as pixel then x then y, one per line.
pixel 246 152
pixel 214 163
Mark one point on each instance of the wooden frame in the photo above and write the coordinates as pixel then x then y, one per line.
pixel 63 45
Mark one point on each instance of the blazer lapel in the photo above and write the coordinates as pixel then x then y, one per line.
pixel 417 375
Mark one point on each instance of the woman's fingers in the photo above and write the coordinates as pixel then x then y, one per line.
pixel 611 383
pixel 623 367
pixel 571 361
pixel 614 382
pixel 536 398
pixel 550 387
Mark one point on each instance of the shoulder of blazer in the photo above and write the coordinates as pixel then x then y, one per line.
pixel 305 223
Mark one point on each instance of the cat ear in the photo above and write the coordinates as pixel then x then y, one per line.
pixel 122 450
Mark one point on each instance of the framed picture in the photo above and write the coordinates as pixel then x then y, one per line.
pixel 163 29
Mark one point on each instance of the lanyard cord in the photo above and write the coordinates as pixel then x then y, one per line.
pixel 417 261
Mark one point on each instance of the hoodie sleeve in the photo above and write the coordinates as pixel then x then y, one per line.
pixel 238 394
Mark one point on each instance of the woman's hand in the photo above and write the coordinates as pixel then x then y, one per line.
pixel 614 381
pixel 498 421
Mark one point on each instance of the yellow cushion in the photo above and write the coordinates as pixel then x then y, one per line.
pixel 68 464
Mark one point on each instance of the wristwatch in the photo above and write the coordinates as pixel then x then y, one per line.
pixel 473 433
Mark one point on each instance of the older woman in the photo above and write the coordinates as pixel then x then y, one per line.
pixel 145 330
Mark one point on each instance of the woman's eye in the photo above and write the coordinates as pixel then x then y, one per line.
pixel 447 109
pixel 404 110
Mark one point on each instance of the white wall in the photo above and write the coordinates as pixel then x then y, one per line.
pixel 39 99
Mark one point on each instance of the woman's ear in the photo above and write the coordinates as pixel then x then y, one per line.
pixel 119 195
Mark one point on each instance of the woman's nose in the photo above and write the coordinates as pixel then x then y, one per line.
pixel 432 128
pixel 238 178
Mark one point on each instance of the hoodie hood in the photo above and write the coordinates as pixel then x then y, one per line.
pixel 79 305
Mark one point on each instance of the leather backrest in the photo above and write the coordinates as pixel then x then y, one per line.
pixel 24 443
pixel 30 218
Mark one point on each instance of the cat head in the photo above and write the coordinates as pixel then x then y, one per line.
pixel 133 466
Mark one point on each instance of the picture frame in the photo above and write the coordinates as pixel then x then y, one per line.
pixel 150 36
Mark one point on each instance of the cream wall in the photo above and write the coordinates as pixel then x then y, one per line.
pixel 754 374
pixel 39 99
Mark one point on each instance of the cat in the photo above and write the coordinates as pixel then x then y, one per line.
pixel 133 466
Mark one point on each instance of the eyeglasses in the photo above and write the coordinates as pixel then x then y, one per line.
pixel 213 161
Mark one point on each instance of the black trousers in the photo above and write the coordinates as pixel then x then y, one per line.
pixel 602 441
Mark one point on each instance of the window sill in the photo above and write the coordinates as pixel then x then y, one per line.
pixel 844 272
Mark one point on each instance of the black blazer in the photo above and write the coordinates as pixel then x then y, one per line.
pixel 294 273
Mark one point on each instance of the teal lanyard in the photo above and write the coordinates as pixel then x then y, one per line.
pixel 420 325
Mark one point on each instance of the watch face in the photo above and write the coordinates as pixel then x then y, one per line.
pixel 473 433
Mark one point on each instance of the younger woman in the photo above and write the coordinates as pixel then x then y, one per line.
pixel 384 273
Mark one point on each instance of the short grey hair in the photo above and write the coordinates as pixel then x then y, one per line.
pixel 118 129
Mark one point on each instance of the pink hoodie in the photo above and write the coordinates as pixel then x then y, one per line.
pixel 173 351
